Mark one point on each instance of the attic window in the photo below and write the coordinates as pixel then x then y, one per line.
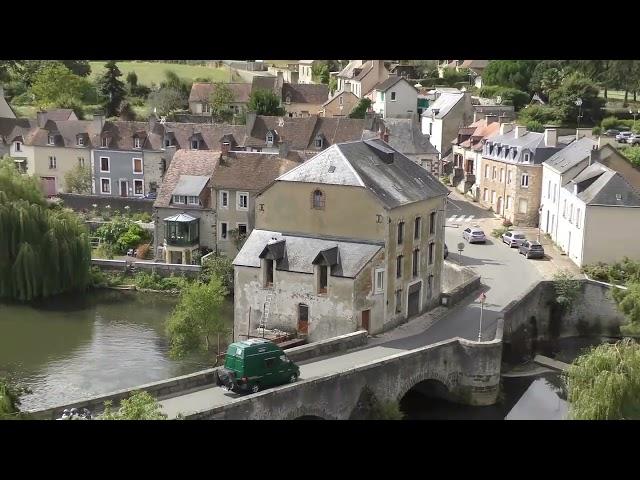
pixel 80 141
pixel 136 142
pixel 288 99
pixel 269 138
pixel 332 168
pixel 317 200
pixel 51 140
pixel 167 142
pixel 618 196
pixel 318 142
pixel 195 144
pixel 105 141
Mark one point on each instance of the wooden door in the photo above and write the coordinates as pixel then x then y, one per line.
pixel 123 188
pixel 303 319
pixel 49 186
pixel 413 305
pixel 366 315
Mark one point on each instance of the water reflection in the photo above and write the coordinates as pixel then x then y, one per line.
pixel 79 346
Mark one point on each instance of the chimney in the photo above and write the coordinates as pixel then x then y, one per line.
pixel 505 128
pixel 519 131
pixel 279 80
pixel 503 119
pixel 225 147
pixel 41 118
pixel 492 118
pixel 347 86
pixel 283 149
pixel 583 132
pixel 594 155
pixel 551 137
pixel 98 121
pixel 152 122
pixel 250 121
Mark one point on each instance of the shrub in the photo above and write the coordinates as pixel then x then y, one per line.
pixel 596 131
pixel 542 114
pixel 506 223
pixel 598 271
pixel 139 406
pixel 609 123
pixel 144 251
pixel 174 283
pixel 218 266
pixel 534 126
pixel 497 232
pixel 143 217
pixel 632 154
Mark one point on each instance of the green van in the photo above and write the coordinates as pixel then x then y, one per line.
pixel 254 364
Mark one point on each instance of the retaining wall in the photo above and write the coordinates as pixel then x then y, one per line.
pixel 457 283
pixel 79 202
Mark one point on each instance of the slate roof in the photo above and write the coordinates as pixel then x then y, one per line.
pixel 200 92
pixel 393 178
pixel 532 142
pixel 301 251
pixel 191 185
pixel 390 82
pixel 477 64
pixel 571 155
pixel 599 185
pixel 250 171
pixel 210 133
pixel 60 114
pixel 185 162
pixel 444 103
pixel 263 82
pixel 305 93
pixel 405 136
pixel 477 131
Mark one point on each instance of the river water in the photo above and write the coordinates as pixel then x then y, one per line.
pixel 73 347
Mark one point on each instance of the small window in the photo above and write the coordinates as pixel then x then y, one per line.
pixel 224 199
pixel 525 180
pixel 527 157
pixel 105 142
pixel 18 147
pixel 318 142
pixel 138 187
pixel 136 142
pixel 53 163
pixel 223 230
pixel 195 144
pixel 104 164
pixel 415 262
pixel 81 161
pixel 51 140
pixel 179 199
pixel 105 185
pixel 288 100
pixel 317 200
pixel 522 205
pixel 243 201
pixel 242 229
pixel 493 173
pixel 269 138
pixel 393 96
pixel 341 100
pixel 432 222
pixel 324 279
pixel 493 196
pixel 80 141
pixel 137 165
pixel 398 301
pixel 486 171
pixel 549 189
pixel 167 142
pixel 578 218
pixel 191 200
pixel 399 266
pixel 508 207
pixel 501 174
pixel 564 208
pixel 379 280
pixel 416 228
pixel 268 274
pixel 509 176
pixel 431 251
pixel 484 194
pixel 400 232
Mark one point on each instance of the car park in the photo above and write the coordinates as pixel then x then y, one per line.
pixel 513 238
pixel 612 132
pixel 474 235
pixel 531 249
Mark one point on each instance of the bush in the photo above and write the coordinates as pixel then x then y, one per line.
pixel 543 114
pixel 25 98
pixel 143 217
pixel 510 96
pixel 122 234
pixel 218 266
pixel 153 281
pixel 534 126
pixel 498 232
pixel 609 123
pixel 596 131
pixel 598 271
pixel 139 406
pixel 632 154
pixel 506 223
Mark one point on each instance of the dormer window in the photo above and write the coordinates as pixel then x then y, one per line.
pixel 179 199
pixel 51 140
pixel 105 142
pixel 527 157
pixel 136 142
pixel 269 138
pixel 18 147
pixel 318 142
pixel 288 99
pixel 341 100
pixel 80 141
pixel 167 142
pixel 195 144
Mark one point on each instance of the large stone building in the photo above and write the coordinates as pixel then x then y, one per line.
pixel 510 178
pixel 444 117
pixel 352 238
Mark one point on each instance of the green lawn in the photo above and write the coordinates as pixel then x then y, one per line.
pixel 279 63
pixel 154 71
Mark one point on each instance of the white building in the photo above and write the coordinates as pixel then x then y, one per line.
pixel 444 117
pixel 587 208
pixel 395 98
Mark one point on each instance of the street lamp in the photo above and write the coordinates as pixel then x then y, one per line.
pixel 482 298
pixel 579 105
pixel 634 117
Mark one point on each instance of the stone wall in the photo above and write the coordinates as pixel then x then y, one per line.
pixel 162 269
pixel 457 283
pixel 536 317
pixel 79 202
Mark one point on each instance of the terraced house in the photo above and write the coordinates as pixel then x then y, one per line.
pixel 315 267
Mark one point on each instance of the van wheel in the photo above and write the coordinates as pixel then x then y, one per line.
pixel 230 387
pixel 293 378
pixel 255 388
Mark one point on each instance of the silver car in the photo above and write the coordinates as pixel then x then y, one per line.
pixel 474 235
pixel 513 239
pixel 634 139
pixel 622 137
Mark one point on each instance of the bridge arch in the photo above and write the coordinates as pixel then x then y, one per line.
pixel 427 384
pixel 309 413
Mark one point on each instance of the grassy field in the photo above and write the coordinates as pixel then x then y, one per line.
pixel 154 71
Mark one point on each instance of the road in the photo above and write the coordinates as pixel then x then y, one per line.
pixel 504 272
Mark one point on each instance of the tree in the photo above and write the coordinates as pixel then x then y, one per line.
pixel 172 80
pixel 220 99
pixel 167 100
pixel 19 187
pixel 567 289
pixel 604 384
pixel 9 400
pixel 265 102
pixel 8 67
pixel 111 88
pixel 197 318
pixel 574 86
pixel 361 109
pixel 629 303
pixel 333 83
pixel 509 73
pixel 81 68
pixel 54 82
pixel 74 103
pixel 219 266
pixel 132 80
pixel 547 76
pixel 139 406
pixel 78 180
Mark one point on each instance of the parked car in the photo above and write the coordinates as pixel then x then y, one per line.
pixel 622 137
pixel 474 235
pixel 531 249
pixel 634 139
pixel 151 195
pixel 446 251
pixel 254 364
pixel 612 132
pixel 513 239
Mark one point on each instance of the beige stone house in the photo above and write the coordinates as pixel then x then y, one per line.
pixel 510 177
pixel 199 103
pixel 321 269
pixel 303 100
pixel 340 104
pixel 363 76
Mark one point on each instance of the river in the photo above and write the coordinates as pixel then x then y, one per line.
pixel 73 347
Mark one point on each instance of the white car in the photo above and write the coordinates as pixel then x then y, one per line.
pixel 634 139
pixel 513 239
pixel 623 137
pixel 474 235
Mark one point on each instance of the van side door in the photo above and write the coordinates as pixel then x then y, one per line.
pixel 271 364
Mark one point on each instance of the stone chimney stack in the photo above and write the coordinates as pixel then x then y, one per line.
pixel 98 121
pixel 347 86
pixel 551 137
pixel 594 155
pixel 251 120
pixel 491 118
pixel 519 131
pixel 152 122
pixel 505 128
pixel 583 132
pixel 504 119
pixel 41 119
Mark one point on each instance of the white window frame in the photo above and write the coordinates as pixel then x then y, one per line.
pixel 222 204
pixel 379 275
pixel 527 157
pixel 81 161
pixel 80 141
pixel 136 142
pixel 486 171
pixel 549 189
pixel 133 166
pixel 578 218
pixel 393 96
pixel 520 204
pixel 269 138
pixel 108 164
pixel 51 140
pixel 18 147
pixel 101 184
pixel 53 162
pixel 191 197
pixel 239 196
pixel 179 199
pixel 140 181
pixel 104 142
pixel 524 180
pixel 246 226
pixel 220 237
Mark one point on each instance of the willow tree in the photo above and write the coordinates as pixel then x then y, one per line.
pixel 43 251
pixel 604 384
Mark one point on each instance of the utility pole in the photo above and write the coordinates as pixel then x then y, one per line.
pixel 483 297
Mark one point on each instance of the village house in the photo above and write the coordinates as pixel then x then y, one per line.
pixel 305 71
pixel 322 270
pixel 290 73
pixel 303 100
pixel 200 103
pixel 444 117
pixel 341 104
pixel 363 75
pixel 395 97
pixel 476 68
pixel 588 207
pixel 510 179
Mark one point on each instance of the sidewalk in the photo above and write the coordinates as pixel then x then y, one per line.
pixel 554 261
